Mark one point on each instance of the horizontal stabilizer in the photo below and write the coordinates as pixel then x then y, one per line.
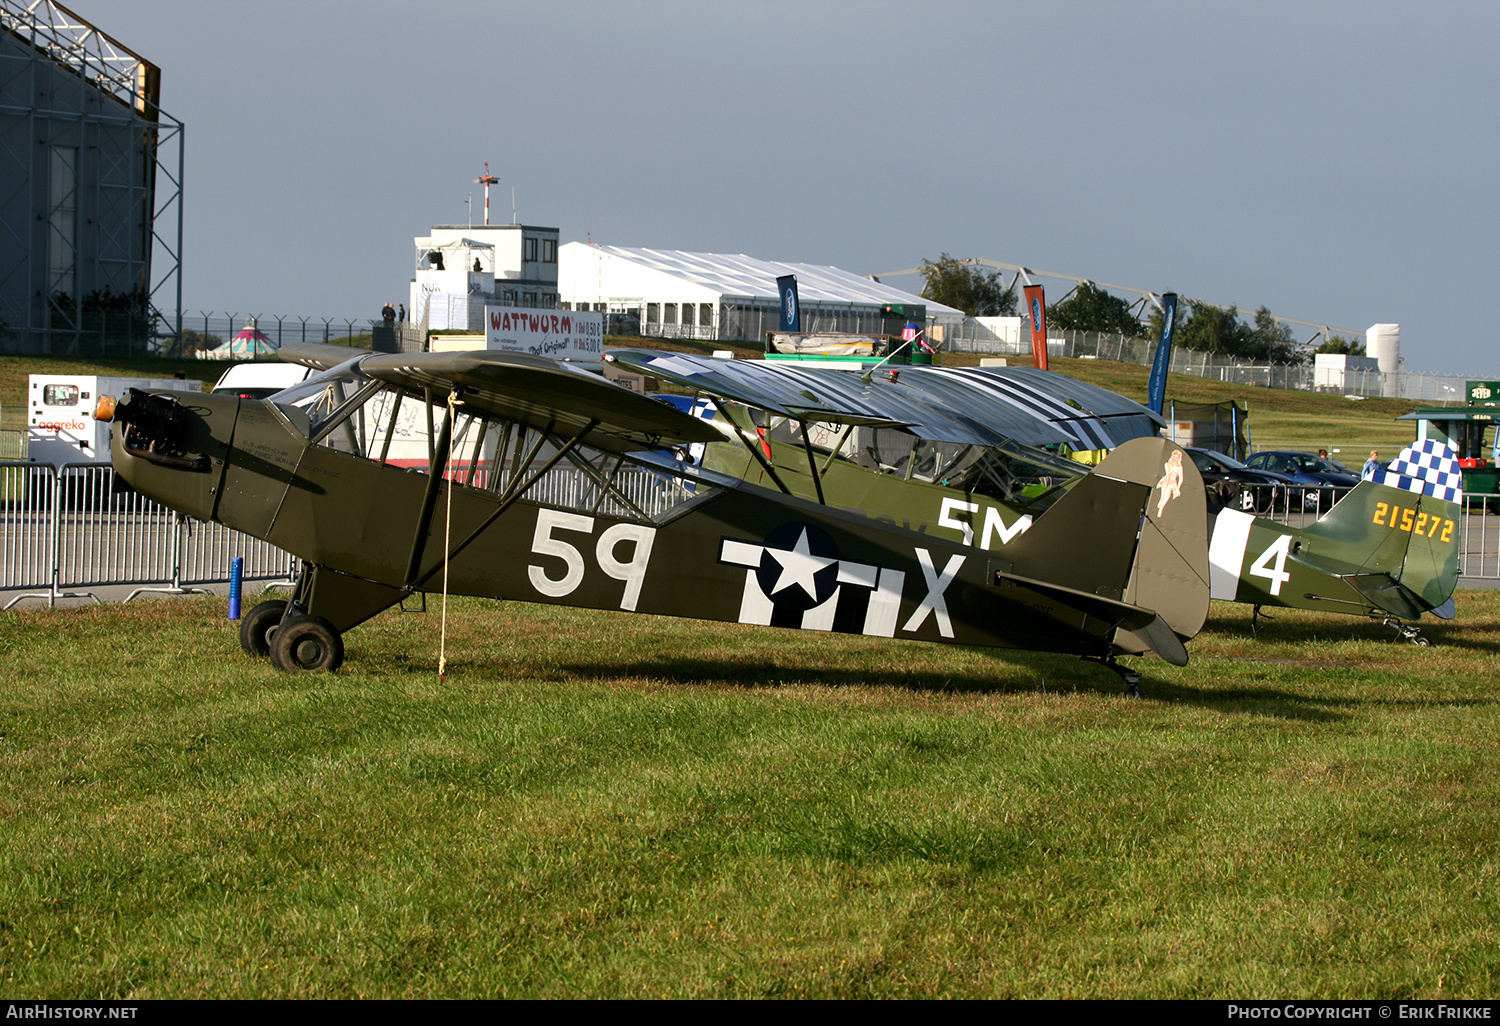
pixel 1383 591
pixel 1124 617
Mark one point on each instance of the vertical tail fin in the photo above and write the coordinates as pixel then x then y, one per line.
pixel 1135 530
pixel 1404 524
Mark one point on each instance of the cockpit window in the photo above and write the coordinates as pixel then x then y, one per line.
pixel 325 398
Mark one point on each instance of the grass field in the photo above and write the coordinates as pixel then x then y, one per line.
pixel 598 804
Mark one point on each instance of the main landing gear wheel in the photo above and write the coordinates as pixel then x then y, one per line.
pixel 258 625
pixel 307 643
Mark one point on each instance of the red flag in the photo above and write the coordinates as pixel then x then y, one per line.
pixel 1036 304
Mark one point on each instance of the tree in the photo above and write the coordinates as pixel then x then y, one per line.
pixel 1273 341
pixel 975 291
pixel 1212 329
pixel 191 343
pixel 1344 346
pixel 1090 308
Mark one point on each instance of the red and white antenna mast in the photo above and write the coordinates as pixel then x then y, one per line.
pixel 487 180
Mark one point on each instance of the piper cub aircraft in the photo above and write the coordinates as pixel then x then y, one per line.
pixel 1388 550
pixel 517 477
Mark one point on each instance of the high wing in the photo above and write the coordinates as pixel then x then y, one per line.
pixel 967 406
pixel 318 355
pixel 546 395
pixel 539 393
pixel 831 396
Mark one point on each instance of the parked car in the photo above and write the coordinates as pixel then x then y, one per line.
pixel 262 379
pixel 1316 482
pixel 1233 484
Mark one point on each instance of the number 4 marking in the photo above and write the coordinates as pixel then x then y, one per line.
pixel 1276 575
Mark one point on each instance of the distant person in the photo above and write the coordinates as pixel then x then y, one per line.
pixel 1372 465
pixel 401 313
pixel 1323 455
pixel 476 264
pixel 388 314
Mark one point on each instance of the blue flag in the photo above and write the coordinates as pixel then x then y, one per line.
pixel 791 310
pixel 1156 390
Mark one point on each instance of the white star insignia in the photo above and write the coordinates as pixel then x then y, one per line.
pixel 799 567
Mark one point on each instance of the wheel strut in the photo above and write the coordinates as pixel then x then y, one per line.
pixel 1128 675
pixel 1405 631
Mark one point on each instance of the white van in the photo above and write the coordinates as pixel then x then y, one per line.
pixel 260 380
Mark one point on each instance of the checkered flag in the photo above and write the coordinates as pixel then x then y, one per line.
pixel 1427 468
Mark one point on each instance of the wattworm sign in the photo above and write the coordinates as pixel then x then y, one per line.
pixel 559 334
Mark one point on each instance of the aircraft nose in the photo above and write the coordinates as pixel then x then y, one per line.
pixel 155 427
pixel 171 446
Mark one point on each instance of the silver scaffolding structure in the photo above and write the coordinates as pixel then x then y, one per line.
pixel 91 179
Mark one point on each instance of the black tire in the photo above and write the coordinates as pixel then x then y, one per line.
pixel 308 644
pixel 258 625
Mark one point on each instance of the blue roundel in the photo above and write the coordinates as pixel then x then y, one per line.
pixel 1036 312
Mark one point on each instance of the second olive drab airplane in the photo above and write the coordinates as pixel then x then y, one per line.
pixel 517 477
pixel 1388 550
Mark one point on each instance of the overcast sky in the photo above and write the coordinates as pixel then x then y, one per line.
pixel 1336 162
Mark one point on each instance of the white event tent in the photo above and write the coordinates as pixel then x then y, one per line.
pixel 672 293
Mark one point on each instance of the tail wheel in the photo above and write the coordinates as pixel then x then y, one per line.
pixel 307 644
pixel 258 625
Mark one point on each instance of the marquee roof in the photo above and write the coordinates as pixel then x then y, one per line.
pixel 741 277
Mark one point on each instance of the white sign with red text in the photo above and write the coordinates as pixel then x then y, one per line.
pixel 558 334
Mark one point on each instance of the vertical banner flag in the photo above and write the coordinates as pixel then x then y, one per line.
pixel 1036 306
pixel 1156 391
pixel 791 310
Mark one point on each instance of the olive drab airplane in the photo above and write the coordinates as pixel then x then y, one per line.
pixel 517 477
pixel 955 470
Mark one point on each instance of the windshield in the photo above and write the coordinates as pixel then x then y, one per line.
pixel 321 395
pixel 1310 464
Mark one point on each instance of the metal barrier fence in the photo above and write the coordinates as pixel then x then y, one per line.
pixel 1293 505
pixel 1479 553
pixel 652 493
pixel 78 527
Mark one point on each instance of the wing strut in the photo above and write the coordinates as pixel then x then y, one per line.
pixel 812 464
pixel 429 498
pixel 764 463
pixel 512 494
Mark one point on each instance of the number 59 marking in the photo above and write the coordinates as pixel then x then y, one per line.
pixel 632 573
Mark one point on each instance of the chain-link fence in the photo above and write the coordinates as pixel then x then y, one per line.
pixel 974 337
pixel 103 333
